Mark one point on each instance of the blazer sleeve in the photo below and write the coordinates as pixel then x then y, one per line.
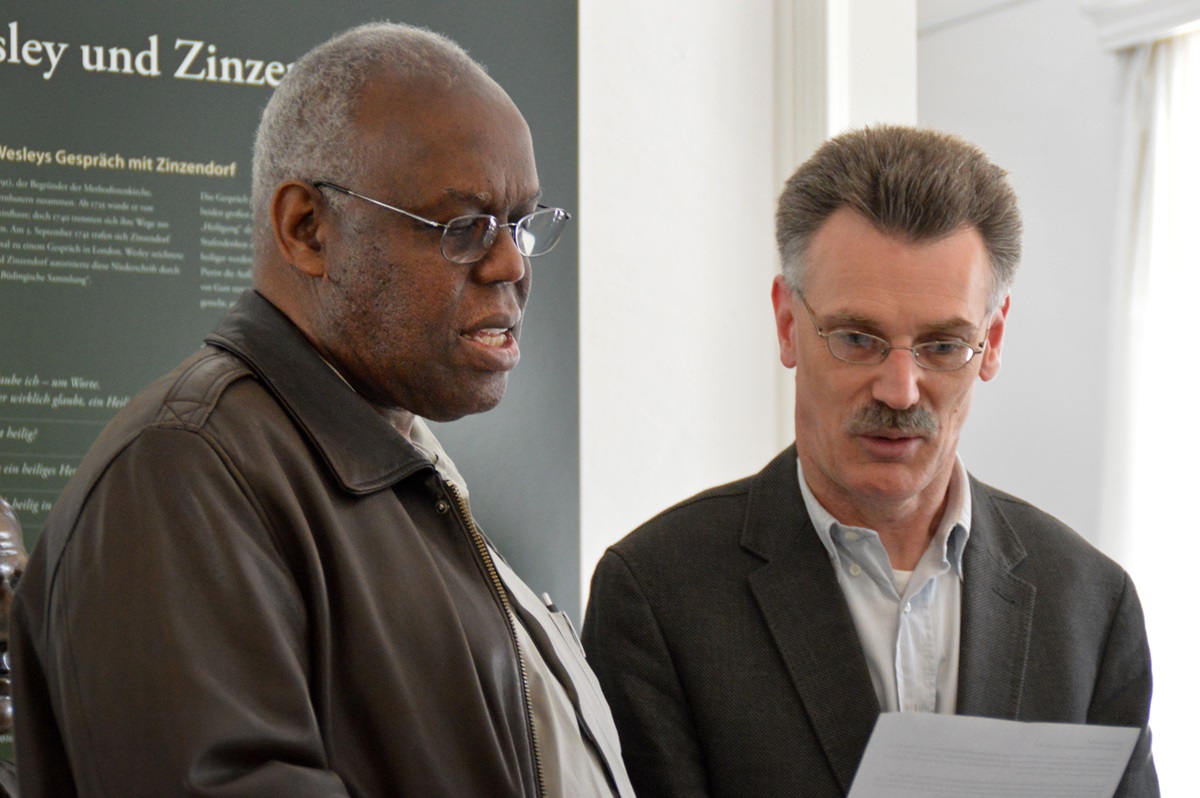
pixel 633 664
pixel 1123 690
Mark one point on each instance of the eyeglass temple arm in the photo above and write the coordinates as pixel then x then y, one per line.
pixel 365 198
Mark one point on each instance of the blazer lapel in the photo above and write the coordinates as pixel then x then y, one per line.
pixel 807 616
pixel 997 615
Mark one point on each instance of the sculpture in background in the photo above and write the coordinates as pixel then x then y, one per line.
pixel 12 563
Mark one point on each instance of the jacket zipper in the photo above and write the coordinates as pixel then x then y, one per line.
pixel 481 547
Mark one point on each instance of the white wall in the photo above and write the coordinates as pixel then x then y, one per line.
pixel 676 202
pixel 684 146
pixel 677 191
pixel 1029 82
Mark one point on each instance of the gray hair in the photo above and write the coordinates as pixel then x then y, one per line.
pixel 307 130
pixel 918 184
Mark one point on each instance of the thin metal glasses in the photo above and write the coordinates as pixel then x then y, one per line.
pixel 466 239
pixel 864 349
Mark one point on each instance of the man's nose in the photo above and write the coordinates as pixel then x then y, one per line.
pixel 896 380
pixel 503 263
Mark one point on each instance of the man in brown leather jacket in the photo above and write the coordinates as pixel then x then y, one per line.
pixel 306 606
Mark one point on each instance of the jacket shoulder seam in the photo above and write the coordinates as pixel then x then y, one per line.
pixel 194 394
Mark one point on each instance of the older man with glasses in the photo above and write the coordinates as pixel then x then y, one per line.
pixel 265 578
pixel 749 637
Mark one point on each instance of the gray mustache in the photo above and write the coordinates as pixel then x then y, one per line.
pixel 877 418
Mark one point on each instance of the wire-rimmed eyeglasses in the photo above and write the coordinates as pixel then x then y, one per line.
pixel 466 239
pixel 864 349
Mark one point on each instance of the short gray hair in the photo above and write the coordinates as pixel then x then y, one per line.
pixel 916 183
pixel 307 130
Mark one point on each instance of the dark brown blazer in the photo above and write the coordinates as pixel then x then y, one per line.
pixel 727 652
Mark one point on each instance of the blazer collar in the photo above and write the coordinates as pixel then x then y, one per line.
pixel 807 616
pixel 997 614
pixel 359 447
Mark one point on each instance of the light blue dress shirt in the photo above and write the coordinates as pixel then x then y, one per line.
pixel 907 621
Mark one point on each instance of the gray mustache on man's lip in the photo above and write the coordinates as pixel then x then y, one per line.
pixel 877 419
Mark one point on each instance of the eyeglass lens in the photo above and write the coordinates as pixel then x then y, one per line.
pixel 468 238
pixel 538 232
pixel 856 347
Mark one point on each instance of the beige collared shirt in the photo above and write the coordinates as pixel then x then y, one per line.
pixel 573 744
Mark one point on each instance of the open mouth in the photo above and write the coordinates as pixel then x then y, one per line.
pixel 493 337
pixel 491 348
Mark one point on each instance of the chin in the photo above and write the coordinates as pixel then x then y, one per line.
pixel 467 403
pixel 898 486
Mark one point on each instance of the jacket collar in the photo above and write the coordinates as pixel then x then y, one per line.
pixel 807 616
pixel 360 448
pixel 997 614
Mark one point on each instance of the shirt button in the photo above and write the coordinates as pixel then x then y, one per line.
pixel 851 536
pixel 855 570
pixel 908 607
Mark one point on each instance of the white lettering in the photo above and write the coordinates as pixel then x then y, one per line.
pixel 31 52
pixel 182 73
pixel 256 77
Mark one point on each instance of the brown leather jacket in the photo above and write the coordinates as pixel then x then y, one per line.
pixel 255 586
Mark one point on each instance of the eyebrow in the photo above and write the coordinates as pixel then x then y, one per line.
pixel 482 199
pixel 469 196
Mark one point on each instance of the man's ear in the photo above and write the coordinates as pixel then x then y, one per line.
pixel 784 300
pixel 995 337
pixel 300 218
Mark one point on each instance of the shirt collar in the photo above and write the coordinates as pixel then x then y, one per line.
pixel 422 437
pixel 952 534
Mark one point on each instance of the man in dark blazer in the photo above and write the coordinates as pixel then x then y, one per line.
pixel 748 638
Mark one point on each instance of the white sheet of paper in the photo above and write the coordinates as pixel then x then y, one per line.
pixel 917 754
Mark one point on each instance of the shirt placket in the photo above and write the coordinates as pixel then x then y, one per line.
pixel 917 646
pixel 916 653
